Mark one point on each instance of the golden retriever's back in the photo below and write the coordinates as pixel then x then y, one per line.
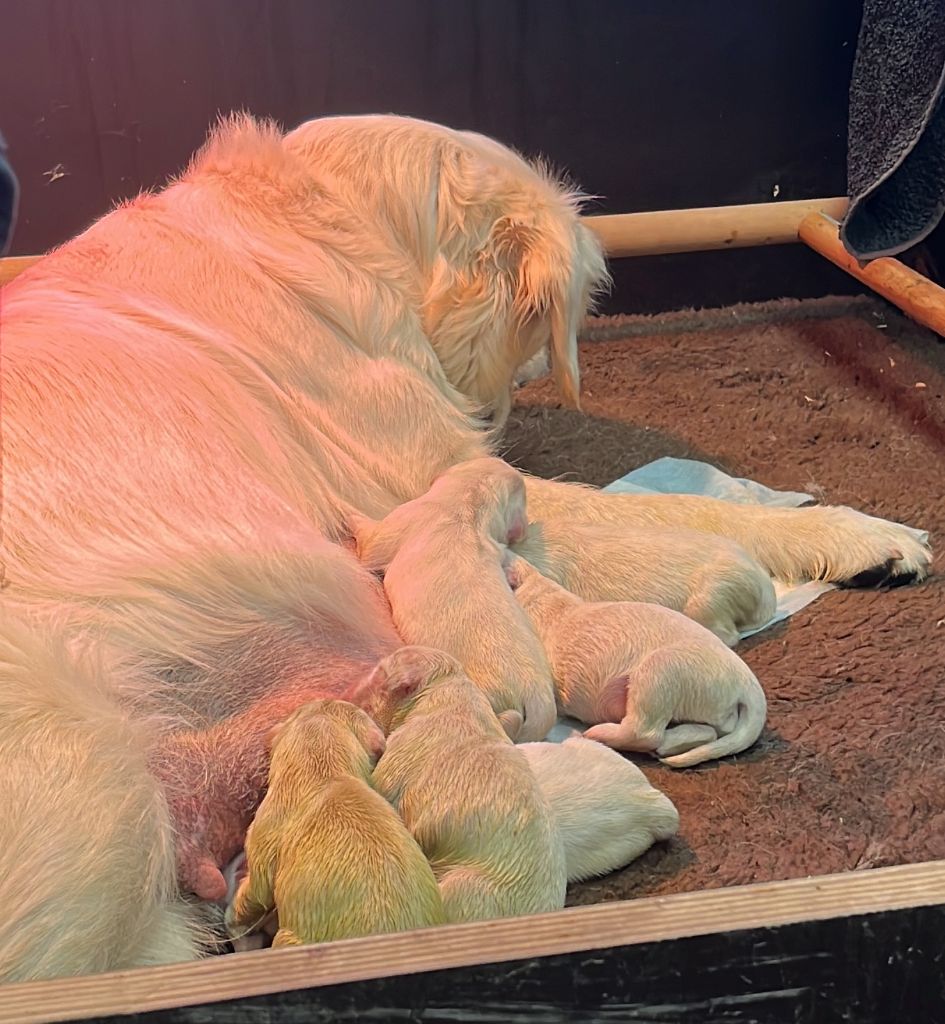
pixel 200 387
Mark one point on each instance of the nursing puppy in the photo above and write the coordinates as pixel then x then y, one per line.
pixel 464 790
pixel 606 811
pixel 645 677
pixel 325 850
pixel 442 557
pixel 709 579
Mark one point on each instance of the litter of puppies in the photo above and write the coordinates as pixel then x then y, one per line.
pixel 411 805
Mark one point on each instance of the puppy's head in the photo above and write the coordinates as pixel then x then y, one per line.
pixel 494 493
pixel 305 726
pixel 505 266
pixel 399 678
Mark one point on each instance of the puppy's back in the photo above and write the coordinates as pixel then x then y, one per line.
pixel 469 797
pixel 348 867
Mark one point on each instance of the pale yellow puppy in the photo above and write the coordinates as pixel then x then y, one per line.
pixel 464 790
pixel 709 579
pixel 442 558
pixel 606 811
pixel 645 677
pixel 326 851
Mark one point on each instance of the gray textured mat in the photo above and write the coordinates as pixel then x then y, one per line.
pixel 896 144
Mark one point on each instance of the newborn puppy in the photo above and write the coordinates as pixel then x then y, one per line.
pixel 653 679
pixel 606 811
pixel 215 779
pixel 709 579
pixel 442 557
pixel 325 850
pixel 464 790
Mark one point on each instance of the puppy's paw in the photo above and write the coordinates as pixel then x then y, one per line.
pixel 680 738
pixel 618 737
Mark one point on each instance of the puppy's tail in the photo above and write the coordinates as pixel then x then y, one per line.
pixel 752 711
pixel 86 844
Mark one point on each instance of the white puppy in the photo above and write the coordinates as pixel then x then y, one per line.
pixel 442 557
pixel 709 579
pixel 465 792
pixel 645 677
pixel 606 811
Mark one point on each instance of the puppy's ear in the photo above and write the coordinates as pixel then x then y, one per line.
pixel 405 671
pixel 272 736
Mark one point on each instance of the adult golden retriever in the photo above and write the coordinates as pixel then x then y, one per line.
pixel 196 392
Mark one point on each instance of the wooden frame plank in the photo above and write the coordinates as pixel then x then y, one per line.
pixel 881 968
pixel 578 930
pixel 12 266
pixel 714 227
pixel 917 296
pixel 660 231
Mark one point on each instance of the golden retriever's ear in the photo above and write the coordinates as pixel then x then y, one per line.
pixel 364 532
pixel 564 356
pixel 539 257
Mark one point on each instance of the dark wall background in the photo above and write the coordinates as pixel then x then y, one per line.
pixel 650 104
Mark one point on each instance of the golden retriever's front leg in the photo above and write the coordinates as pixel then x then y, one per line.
pixel 830 543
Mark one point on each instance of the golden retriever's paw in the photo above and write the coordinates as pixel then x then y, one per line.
pixel 856 550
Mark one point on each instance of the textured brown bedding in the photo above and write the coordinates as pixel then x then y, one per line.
pixel 845 400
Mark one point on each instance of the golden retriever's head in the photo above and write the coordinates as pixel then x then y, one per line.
pixel 506 267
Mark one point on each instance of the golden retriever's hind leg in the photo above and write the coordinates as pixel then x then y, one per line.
pixel 831 543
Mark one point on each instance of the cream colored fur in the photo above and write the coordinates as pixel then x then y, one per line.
pixel 104 878
pixel 200 388
pixel 645 677
pixel 325 851
pixel 606 811
pixel 442 557
pixel 709 579
pixel 464 790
